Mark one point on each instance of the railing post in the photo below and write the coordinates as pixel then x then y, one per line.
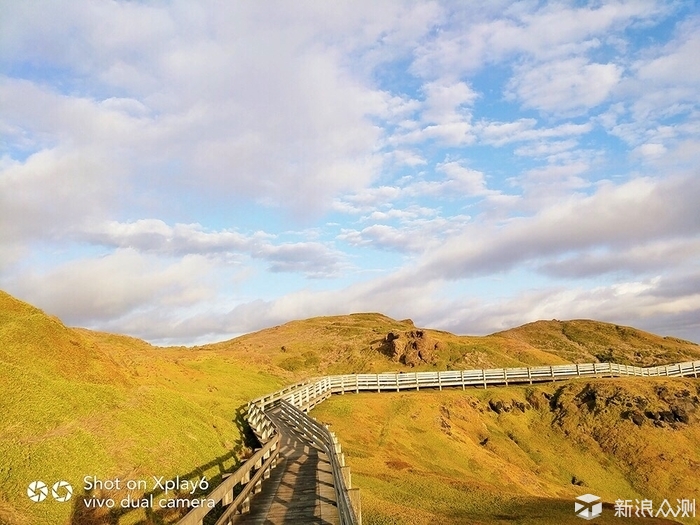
pixel 357 384
pixel 529 374
pixel 505 375
pixel 483 376
pixel 462 376
pixel 378 389
pixel 347 476
pixel 551 371
pixel 397 382
pixel 439 381
pixel 354 495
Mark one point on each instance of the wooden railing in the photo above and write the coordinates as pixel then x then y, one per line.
pixel 296 399
pixel 346 497
pixel 249 476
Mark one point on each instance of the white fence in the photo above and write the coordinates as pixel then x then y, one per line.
pixel 301 397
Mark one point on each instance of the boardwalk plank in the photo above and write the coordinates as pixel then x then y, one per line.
pixel 300 490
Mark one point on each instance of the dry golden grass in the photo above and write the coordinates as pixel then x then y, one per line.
pixel 449 457
pixel 74 402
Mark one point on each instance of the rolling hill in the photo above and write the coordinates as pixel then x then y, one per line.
pixel 75 402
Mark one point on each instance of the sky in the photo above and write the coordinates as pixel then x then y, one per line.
pixel 185 172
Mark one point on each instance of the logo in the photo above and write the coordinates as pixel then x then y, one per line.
pixel 588 506
pixel 37 491
pixel 67 491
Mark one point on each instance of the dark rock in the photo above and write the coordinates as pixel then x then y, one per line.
pixel 391 336
pixel 577 482
pixel 637 418
pixel 667 416
pixel 499 406
pixel 519 405
pixel 680 414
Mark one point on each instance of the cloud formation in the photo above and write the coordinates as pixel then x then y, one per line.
pixel 186 172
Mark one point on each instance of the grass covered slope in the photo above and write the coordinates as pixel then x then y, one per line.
pixel 74 402
pixel 362 343
pixel 358 343
pixel 586 341
pixel 518 454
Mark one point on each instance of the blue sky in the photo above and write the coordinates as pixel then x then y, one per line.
pixel 185 172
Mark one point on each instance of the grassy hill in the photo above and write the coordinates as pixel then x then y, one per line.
pixel 76 402
pixel 517 454
pixel 585 341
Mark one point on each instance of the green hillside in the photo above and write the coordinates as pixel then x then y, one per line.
pixel 75 402
pixel 586 341
pixel 519 454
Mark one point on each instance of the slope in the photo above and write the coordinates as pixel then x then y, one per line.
pixel 74 402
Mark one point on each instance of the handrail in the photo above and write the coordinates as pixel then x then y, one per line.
pixel 261 463
pixel 320 434
pixel 303 396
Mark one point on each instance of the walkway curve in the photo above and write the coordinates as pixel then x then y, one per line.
pixel 281 424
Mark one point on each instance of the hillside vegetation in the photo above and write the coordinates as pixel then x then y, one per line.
pixel 518 454
pixel 75 402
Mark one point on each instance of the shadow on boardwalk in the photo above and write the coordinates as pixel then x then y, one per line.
pixel 299 490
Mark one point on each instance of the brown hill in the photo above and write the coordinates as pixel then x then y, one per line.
pixel 586 341
pixel 74 401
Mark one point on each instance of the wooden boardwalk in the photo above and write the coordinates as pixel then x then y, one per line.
pixel 300 489
pixel 310 487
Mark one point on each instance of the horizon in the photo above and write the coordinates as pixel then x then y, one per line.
pixel 187 174
pixel 405 320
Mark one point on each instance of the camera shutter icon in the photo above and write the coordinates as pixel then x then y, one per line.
pixel 37 491
pixel 588 506
pixel 62 491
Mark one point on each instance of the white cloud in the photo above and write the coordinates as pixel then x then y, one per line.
pixel 650 150
pixel 523 130
pixel 568 86
pixel 543 33
pixel 235 127
pixel 313 259
pixel 614 216
pixel 119 284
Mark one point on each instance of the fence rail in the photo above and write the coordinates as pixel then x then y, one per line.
pixel 294 400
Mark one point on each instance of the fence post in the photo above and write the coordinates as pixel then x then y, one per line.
pixel 354 495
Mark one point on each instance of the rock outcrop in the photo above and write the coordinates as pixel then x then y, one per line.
pixel 412 347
